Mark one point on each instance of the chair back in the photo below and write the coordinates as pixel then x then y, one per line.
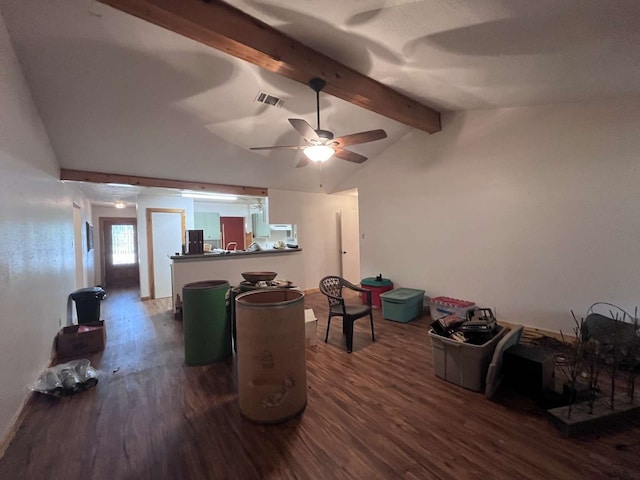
pixel 332 287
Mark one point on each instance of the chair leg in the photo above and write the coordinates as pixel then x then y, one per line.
pixel 326 337
pixel 348 327
pixel 371 319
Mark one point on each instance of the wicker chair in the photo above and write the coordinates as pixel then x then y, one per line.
pixel 332 286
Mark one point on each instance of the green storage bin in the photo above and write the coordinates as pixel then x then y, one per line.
pixel 206 322
pixel 402 304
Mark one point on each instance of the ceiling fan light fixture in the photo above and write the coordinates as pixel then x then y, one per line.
pixel 319 153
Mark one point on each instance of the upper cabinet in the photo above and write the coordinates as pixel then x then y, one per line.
pixel 259 227
pixel 209 222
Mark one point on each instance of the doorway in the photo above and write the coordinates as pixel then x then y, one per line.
pixel 233 231
pixel 166 228
pixel 350 245
pixel 119 257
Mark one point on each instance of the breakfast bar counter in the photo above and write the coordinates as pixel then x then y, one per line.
pixel 232 254
pixel 287 262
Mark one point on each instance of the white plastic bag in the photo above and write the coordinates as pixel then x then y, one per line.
pixel 67 378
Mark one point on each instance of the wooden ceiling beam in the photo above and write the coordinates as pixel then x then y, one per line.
pixel 99 177
pixel 232 31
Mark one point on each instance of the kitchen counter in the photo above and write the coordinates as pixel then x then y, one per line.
pixel 232 254
pixel 287 262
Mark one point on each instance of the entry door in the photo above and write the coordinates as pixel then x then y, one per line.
pixel 120 252
pixel 165 232
pixel 232 231
pixel 350 245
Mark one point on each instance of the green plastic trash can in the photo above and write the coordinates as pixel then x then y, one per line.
pixel 206 325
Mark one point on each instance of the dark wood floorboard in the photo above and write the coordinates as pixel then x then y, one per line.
pixel 376 413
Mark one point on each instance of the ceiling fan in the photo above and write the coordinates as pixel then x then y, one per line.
pixel 320 144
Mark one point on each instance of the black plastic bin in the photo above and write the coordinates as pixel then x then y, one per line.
pixel 88 303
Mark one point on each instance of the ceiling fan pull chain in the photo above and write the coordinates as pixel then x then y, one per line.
pixel 318 107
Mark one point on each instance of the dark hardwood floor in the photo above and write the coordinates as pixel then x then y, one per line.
pixel 376 413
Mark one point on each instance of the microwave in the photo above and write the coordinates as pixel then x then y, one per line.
pixel 281 226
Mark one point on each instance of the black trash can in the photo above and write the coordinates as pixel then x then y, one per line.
pixel 88 303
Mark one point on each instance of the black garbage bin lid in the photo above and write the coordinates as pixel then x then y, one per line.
pixel 89 292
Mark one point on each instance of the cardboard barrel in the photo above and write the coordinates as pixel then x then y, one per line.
pixel 272 374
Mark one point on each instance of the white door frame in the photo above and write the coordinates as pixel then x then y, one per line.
pixel 350 245
pixel 150 211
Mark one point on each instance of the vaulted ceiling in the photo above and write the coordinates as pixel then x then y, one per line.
pixel 119 94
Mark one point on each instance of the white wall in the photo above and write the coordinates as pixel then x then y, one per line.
pixel 99 212
pixel 531 211
pixel 37 259
pixel 84 260
pixel 152 201
pixel 317 218
pixel 86 212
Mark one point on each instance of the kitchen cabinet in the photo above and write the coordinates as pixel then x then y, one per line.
pixel 259 227
pixel 209 222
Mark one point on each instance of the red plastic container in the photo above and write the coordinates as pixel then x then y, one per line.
pixel 441 306
pixel 376 287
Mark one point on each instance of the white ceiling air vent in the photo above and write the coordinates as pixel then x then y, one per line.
pixel 264 97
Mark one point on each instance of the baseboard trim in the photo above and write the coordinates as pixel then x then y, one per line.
pixel 144 299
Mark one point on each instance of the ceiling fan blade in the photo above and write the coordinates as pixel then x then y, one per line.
pixel 360 137
pixel 304 161
pixel 304 129
pixel 349 156
pixel 280 147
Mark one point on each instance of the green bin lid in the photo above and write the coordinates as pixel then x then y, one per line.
pixel 401 294
pixel 372 282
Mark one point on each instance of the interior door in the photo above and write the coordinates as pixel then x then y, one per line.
pixel 350 245
pixel 120 252
pixel 165 233
pixel 233 231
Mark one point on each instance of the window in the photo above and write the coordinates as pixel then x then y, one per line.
pixel 123 246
